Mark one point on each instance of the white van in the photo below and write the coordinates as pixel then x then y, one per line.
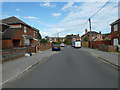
pixel 77 44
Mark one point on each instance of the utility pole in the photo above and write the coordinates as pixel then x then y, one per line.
pixel 90 33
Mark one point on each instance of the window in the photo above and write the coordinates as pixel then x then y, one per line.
pixel 25 29
pixel 34 33
pixel 115 27
pixel 115 41
pixel 15 26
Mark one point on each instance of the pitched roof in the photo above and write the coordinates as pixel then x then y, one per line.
pixel 3 27
pixel 8 34
pixel 117 21
pixel 92 33
pixel 13 20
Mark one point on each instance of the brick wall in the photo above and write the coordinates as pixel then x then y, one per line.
pixel 44 46
pixel 108 48
pixel 10 54
pixel 95 44
pixel 7 44
pixel 31 49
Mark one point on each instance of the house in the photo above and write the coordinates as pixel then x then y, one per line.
pixel 72 37
pixel 115 32
pixel 55 39
pixel 91 36
pixel 16 33
pixel 107 36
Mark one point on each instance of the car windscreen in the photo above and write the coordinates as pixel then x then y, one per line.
pixel 55 45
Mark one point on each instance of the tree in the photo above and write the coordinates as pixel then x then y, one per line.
pixel 86 38
pixel 46 37
pixel 39 35
pixel 43 40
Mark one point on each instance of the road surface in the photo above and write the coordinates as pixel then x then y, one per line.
pixel 69 68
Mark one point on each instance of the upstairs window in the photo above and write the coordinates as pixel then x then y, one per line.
pixel 25 29
pixel 115 27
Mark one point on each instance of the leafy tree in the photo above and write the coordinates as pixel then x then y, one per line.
pixel 86 38
pixel 39 35
pixel 43 40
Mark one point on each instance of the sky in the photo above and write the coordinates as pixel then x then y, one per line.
pixel 63 17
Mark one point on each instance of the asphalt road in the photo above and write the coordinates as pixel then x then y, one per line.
pixel 69 68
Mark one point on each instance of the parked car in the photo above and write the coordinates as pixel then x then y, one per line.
pixel 29 45
pixel 62 44
pixel 77 44
pixel 55 47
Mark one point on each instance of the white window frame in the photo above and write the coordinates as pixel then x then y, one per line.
pixel 115 41
pixel 115 27
pixel 25 29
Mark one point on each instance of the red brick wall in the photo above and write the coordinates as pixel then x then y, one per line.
pixel 10 54
pixel 108 48
pixel 7 44
pixel 29 32
pixel 44 46
pixel 95 44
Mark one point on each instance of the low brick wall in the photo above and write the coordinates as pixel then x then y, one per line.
pixel 11 54
pixel 31 49
pixel 108 48
pixel 95 44
pixel 44 46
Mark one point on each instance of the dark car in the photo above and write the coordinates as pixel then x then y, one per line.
pixel 56 47
pixel 29 45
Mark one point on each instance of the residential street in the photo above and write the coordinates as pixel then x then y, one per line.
pixel 69 68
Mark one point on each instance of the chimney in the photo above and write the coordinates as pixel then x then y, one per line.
pixel 86 31
pixel 78 34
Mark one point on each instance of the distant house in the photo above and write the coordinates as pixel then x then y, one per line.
pixel 55 39
pixel 72 37
pixel 91 36
pixel 107 36
pixel 16 33
pixel 115 32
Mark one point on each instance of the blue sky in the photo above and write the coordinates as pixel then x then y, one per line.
pixel 64 17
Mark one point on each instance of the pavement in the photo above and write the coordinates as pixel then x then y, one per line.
pixel 109 57
pixel 15 67
pixel 68 68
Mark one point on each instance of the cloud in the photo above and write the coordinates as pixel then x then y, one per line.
pixel 67 6
pixel 56 14
pixel 29 17
pixel 77 17
pixel 17 9
pixel 47 4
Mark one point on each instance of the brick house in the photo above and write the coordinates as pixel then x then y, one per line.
pixel 16 33
pixel 73 38
pixel 115 33
pixel 92 36
pixel 107 36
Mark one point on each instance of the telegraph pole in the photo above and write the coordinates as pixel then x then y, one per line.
pixel 90 33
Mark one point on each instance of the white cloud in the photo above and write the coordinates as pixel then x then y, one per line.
pixel 29 17
pixel 67 6
pixel 56 14
pixel 76 18
pixel 17 9
pixel 47 4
